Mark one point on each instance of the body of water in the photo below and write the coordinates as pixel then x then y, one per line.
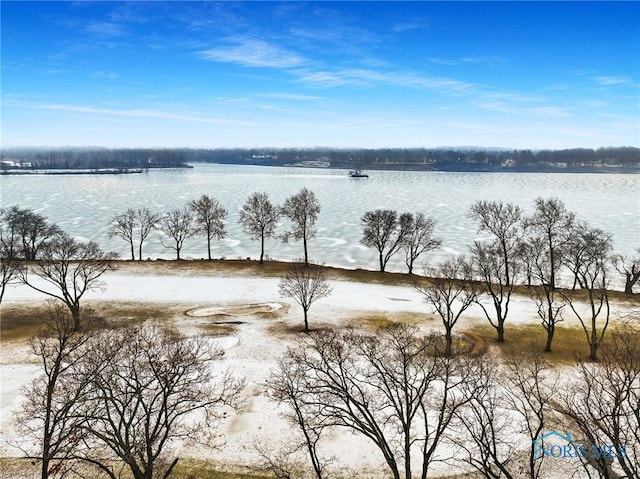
pixel 84 204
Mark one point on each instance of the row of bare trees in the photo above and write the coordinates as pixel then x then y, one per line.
pixel 259 218
pixel 417 406
pixel 530 250
pixel 110 400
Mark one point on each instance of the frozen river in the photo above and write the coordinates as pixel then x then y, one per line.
pixel 84 204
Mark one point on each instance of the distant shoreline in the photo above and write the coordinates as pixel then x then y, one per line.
pixel 450 168
pixel 85 171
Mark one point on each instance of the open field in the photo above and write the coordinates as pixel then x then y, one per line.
pixel 237 305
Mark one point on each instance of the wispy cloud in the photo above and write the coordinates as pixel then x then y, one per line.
pixel 407 26
pixel 105 29
pixel 482 59
pixel 550 112
pixel 291 96
pixel 105 74
pixel 141 113
pixel 365 77
pixel 253 52
pixel 611 80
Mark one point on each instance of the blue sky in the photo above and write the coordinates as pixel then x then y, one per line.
pixel 339 74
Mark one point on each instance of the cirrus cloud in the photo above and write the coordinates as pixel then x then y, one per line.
pixel 253 52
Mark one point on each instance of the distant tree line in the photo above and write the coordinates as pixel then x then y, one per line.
pixel 453 159
pixel 429 158
pixel 92 158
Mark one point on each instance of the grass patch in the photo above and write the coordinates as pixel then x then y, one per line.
pixel 185 469
pixel 198 469
pixel 569 343
pixel 375 321
pixel 18 322
pixel 23 321
pixel 216 330
pixel 130 313
pixel 254 268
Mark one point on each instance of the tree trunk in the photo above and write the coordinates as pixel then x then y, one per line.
pixel 262 248
pixel 593 342
pixel 381 259
pixel 306 323
pixel 178 253
pixel 209 247
pixel 448 348
pixel 170 470
pixel 500 330
pixel 505 255
pixel 140 251
pixel 306 257
pixel 550 332
pixel 75 314
pixel 552 262
pixel 407 454
pixel 631 279
pixel 133 251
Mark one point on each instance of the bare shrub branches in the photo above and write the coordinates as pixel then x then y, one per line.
pixel 396 389
pixel 305 284
pixel 123 397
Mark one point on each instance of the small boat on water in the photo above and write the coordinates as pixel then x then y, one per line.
pixel 358 174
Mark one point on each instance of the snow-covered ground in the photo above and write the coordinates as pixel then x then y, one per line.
pixel 251 349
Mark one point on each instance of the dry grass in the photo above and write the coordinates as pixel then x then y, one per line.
pixel 21 322
pixel 254 268
pixel 569 343
pixel 217 330
pixel 18 322
pixel 375 321
pixel 12 468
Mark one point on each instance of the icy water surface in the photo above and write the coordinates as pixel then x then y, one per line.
pixel 84 204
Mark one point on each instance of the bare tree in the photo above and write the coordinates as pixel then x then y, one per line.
pixel 450 291
pixel 576 250
pixel 69 269
pixel 123 226
pixel 302 210
pixel 593 277
pixel 29 229
pixel 486 442
pixel 146 223
pixel 548 302
pixel 419 238
pixel 259 219
pixel 287 385
pixel 395 389
pixel 49 412
pixel 209 219
pixel 553 223
pixel 384 231
pixel 150 388
pixel 630 268
pixel 530 387
pixel 9 263
pixel 503 404
pixel 178 225
pixel 489 264
pixel 305 284
pixel 603 404
pixel 503 221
